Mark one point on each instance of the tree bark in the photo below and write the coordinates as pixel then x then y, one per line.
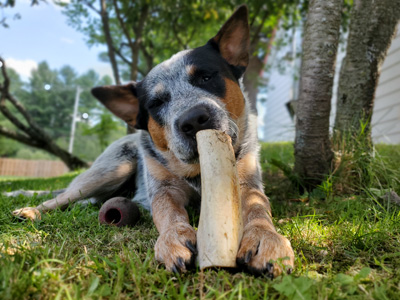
pixel 109 41
pixel 372 28
pixel 251 80
pixel 30 133
pixel 312 147
pixel 136 47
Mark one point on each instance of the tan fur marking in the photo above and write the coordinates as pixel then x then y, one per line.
pixel 168 208
pixel 172 222
pixel 157 170
pixel 247 166
pixel 190 69
pixel 157 134
pixel 234 99
pixel 123 169
pixel 256 207
pixel 159 88
pixel 260 236
pixel 181 169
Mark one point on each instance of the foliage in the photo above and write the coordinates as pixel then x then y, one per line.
pixel 103 129
pixel 11 3
pixel 346 248
pixel 52 109
pixel 138 28
pixel 359 164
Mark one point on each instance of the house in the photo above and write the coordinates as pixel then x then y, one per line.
pixel 283 72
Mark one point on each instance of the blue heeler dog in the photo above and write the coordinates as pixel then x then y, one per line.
pixel 193 90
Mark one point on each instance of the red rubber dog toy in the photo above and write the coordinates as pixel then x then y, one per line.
pixel 119 211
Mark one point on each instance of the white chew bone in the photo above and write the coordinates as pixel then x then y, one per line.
pixel 221 225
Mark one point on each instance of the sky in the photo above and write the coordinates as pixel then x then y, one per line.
pixel 42 34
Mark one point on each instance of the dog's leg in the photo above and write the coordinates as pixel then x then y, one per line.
pixel 260 244
pixel 111 170
pixel 176 244
pixel 31 193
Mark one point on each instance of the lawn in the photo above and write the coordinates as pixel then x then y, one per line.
pixel 346 246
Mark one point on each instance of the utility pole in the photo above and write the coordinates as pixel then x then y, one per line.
pixel 73 125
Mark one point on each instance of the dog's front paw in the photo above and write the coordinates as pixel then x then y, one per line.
pixel 176 247
pixel 29 213
pixel 261 247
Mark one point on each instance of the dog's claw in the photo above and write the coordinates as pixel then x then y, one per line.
pixel 175 247
pixel 248 257
pixel 191 247
pixel 260 250
pixel 181 264
pixel 174 269
pixel 270 270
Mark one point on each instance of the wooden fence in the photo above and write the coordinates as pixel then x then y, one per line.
pixel 31 168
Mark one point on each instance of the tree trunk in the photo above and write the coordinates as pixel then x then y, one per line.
pixel 251 80
pixel 372 27
pixel 44 142
pixel 110 45
pixel 312 147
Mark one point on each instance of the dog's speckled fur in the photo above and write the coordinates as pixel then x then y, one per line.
pixel 193 90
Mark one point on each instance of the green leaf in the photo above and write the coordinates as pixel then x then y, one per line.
pixel 295 288
pixel 94 284
pixel 364 272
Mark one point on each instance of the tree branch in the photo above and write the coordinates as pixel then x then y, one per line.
pixel 33 129
pixel 32 135
pixel 176 35
pixel 109 40
pixel 256 36
pixel 191 36
pixel 6 84
pixel 18 137
pixel 122 24
pixel 88 4
pixel 149 58
pixel 120 55
pixel 138 41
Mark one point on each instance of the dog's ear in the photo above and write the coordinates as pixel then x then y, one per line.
pixel 233 39
pixel 121 100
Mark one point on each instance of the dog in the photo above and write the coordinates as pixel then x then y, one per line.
pixel 194 90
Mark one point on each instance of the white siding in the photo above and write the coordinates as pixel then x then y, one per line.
pixel 386 116
pixel 278 126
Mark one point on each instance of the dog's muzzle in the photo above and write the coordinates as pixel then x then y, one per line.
pixel 194 120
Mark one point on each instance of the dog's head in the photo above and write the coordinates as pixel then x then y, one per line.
pixel 193 90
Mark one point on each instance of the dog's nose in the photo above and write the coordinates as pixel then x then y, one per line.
pixel 195 120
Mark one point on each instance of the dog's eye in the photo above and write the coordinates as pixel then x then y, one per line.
pixel 206 78
pixel 156 103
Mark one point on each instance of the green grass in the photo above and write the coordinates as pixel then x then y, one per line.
pixel 347 247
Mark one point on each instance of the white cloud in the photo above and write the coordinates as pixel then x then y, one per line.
pixel 67 40
pixel 22 67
